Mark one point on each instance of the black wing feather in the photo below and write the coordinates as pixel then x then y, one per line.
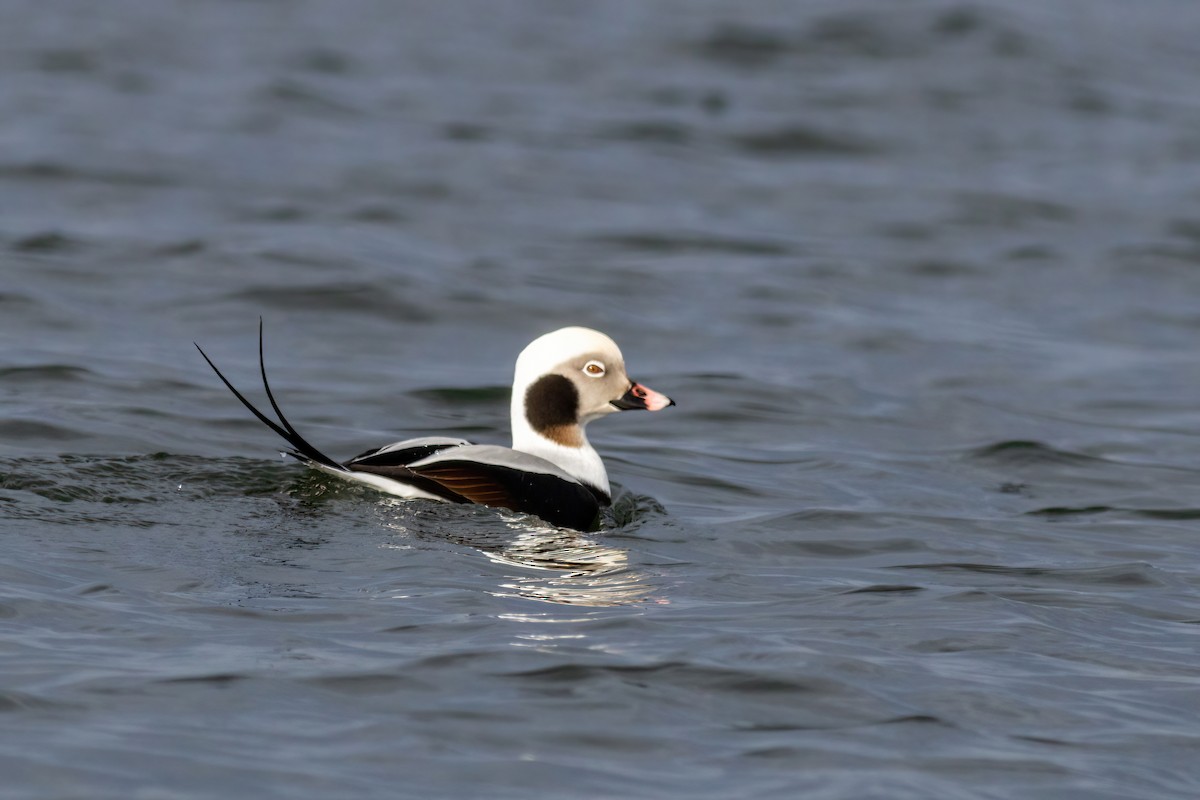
pixel 401 457
pixel 402 474
pixel 560 502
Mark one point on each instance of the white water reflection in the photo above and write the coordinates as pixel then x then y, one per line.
pixel 552 565
pixel 567 567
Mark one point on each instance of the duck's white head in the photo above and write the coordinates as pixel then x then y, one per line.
pixel 564 380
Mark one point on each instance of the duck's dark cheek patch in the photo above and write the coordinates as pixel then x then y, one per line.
pixel 551 402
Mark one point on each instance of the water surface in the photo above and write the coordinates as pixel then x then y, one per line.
pixel 922 278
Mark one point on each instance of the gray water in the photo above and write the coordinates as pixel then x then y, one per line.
pixel 924 278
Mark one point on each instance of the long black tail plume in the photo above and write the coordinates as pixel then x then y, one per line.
pixel 303 449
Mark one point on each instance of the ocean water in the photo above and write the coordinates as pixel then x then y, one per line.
pixel 923 277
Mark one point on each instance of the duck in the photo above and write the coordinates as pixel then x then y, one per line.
pixel 563 380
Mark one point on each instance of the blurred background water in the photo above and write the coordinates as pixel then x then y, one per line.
pixel 922 275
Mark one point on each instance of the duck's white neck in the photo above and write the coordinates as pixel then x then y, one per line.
pixel 582 463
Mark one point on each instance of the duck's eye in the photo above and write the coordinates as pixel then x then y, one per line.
pixel 593 369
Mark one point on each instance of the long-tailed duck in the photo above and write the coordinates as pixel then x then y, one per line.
pixel 563 381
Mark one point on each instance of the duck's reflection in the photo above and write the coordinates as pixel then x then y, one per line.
pixel 552 565
pixel 569 568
